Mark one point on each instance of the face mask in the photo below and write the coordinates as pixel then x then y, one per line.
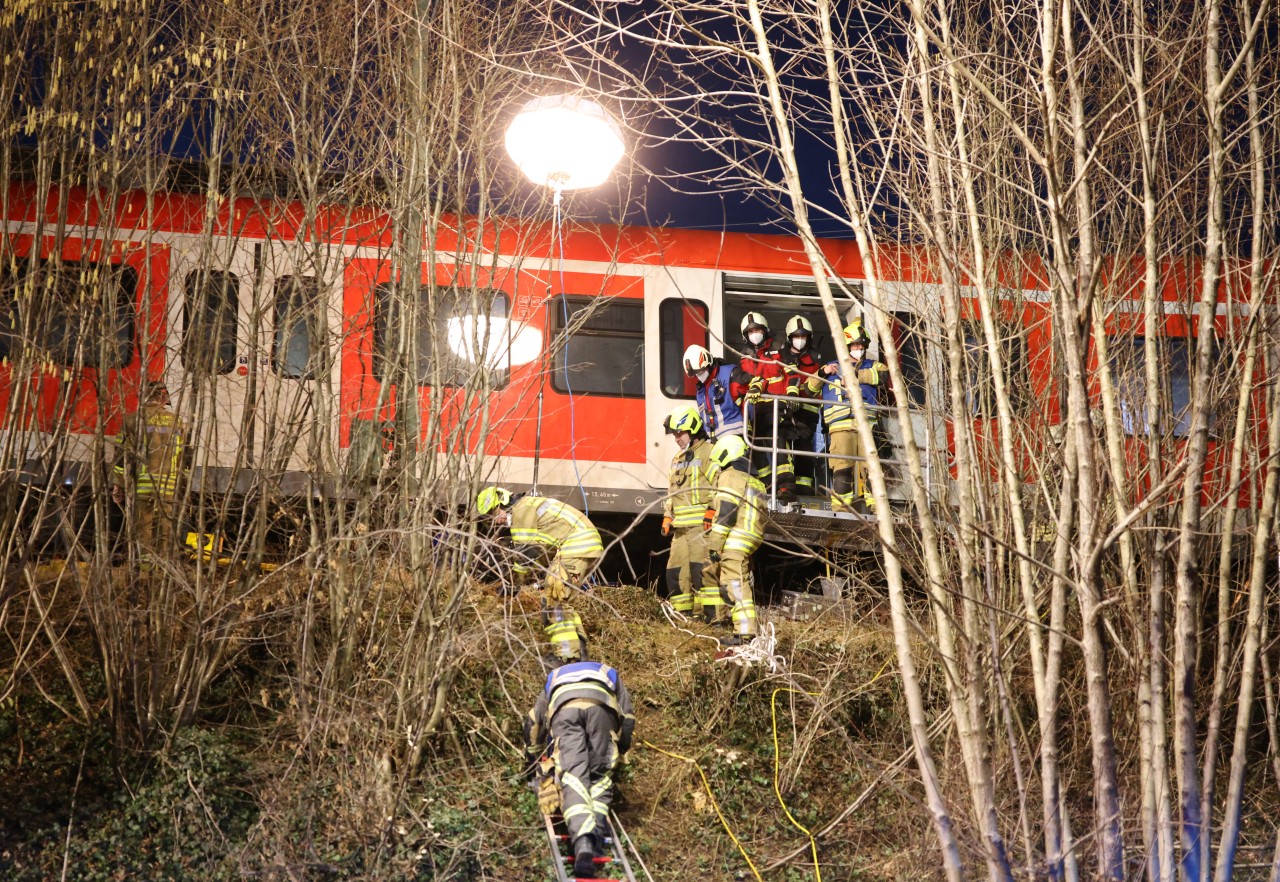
pixel 800 342
pixel 755 338
pixel 702 376
pixel 857 354
pixel 683 439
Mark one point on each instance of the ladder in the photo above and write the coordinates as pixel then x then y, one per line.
pixel 613 867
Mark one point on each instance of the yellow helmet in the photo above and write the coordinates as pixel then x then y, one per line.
pixel 855 333
pixel 683 418
pixel 727 450
pixel 491 498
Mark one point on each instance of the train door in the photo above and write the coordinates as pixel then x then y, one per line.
pixel 296 334
pixel 210 378
pixel 676 319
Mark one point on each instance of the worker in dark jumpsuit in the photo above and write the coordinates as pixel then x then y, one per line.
pixel 584 718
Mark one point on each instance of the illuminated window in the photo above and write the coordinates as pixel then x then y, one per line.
pixel 442 338
pixel 1127 360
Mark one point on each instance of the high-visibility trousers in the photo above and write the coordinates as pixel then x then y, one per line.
pixel 848 474
pixel 585 750
pixel 684 568
pixel 560 623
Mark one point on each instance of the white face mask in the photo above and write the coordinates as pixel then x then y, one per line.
pixel 755 338
pixel 702 375
pixel 800 342
pixel 683 440
pixel 857 355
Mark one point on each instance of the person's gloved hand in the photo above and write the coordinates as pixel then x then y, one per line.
pixel 666 526
pixel 708 519
pixel 557 591
pixel 548 796
pixel 755 390
pixel 713 556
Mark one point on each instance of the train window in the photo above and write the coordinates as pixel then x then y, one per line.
pixel 1127 359
pixel 74 313
pixel 980 383
pixel 599 346
pixel 913 356
pixel 681 324
pixel 293 344
pixel 209 322
pixel 448 336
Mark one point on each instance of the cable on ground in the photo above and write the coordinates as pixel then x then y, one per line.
pixel 719 814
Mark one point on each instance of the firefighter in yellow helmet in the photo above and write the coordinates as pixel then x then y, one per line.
pixel 848 459
pixel 148 470
pixel 735 524
pixel 688 496
pixel 543 529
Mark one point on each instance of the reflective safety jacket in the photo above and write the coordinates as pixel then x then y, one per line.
pixel 740 502
pixel 802 368
pixel 690 488
pixel 766 369
pixel 150 454
pixel 720 399
pixel 837 413
pixel 581 681
pixel 539 523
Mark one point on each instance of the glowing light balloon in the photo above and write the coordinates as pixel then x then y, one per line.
pixel 564 142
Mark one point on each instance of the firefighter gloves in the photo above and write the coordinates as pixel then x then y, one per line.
pixel 557 591
pixel 713 556
pixel 548 796
pixel 708 520
pixel 666 526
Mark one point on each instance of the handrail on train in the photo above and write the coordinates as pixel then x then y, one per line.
pixel 774 449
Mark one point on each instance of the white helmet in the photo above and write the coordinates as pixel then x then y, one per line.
pixel 754 320
pixel 696 358
pixel 798 324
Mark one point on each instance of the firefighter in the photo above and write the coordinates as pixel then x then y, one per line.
pixel 688 496
pixel 721 391
pixel 848 459
pixel 148 471
pixel 584 719
pixel 542 528
pixel 735 523
pixel 763 363
pixel 802 364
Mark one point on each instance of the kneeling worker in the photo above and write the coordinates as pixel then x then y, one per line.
pixel 735 521
pixel 541 528
pixel 584 719
pixel 688 496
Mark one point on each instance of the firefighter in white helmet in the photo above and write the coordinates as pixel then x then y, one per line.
pixel 688 495
pixel 722 389
pixel 803 363
pixel 735 524
pixel 542 528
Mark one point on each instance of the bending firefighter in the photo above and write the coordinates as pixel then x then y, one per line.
pixel 542 528
pixel 735 522
pixel 584 719
pixel 688 496
pixel 848 459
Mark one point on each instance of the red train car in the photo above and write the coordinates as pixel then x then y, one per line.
pixel 276 330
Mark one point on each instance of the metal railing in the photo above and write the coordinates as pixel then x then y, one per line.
pixel 773 403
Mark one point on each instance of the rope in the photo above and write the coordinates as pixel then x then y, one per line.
pixel 719 814
pixel 761 651
pixel 777 790
pixel 675 618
